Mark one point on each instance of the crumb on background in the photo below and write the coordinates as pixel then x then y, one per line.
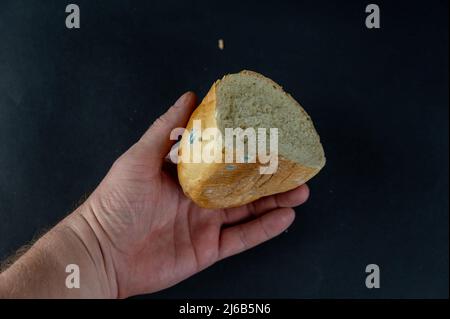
pixel 221 44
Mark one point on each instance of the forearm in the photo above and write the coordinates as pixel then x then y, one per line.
pixel 41 271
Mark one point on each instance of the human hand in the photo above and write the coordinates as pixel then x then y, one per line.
pixel 154 234
pixel 143 234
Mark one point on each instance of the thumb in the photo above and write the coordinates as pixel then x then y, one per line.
pixel 156 143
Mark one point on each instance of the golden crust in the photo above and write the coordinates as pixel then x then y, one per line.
pixel 214 185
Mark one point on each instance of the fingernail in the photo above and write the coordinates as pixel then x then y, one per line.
pixel 183 99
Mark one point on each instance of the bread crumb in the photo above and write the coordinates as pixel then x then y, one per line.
pixel 221 44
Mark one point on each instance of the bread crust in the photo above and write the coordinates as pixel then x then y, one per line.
pixel 224 185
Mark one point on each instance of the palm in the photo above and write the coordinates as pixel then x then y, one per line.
pixel 179 239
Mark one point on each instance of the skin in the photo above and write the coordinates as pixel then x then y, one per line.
pixel 138 233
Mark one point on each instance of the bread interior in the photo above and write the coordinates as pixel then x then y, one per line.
pixel 248 99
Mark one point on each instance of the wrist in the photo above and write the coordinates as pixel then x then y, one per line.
pixel 94 250
pixel 41 271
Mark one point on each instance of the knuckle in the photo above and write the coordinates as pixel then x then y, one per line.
pixel 160 121
pixel 267 233
pixel 118 163
pixel 243 238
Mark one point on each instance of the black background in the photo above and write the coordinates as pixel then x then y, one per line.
pixel 71 101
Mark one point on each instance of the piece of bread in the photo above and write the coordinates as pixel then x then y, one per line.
pixel 248 99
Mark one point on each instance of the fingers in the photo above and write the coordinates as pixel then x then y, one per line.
pixel 156 143
pixel 291 198
pixel 241 237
